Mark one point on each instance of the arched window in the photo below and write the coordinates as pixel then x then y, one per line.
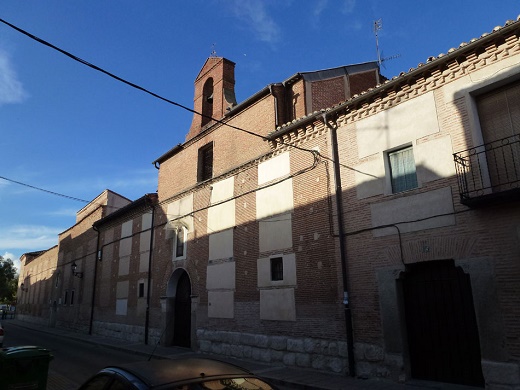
pixel 179 243
pixel 207 101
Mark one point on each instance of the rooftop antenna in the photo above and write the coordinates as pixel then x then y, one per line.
pixel 213 51
pixel 378 25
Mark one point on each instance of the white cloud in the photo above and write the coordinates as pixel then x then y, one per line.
pixel 12 256
pixel 29 237
pixel 254 14
pixel 11 89
pixel 319 7
pixel 348 6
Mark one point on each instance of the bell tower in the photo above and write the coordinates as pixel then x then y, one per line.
pixel 214 93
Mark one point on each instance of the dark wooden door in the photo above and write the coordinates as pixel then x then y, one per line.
pixel 441 325
pixel 182 328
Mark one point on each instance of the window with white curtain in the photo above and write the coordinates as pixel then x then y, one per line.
pixel 402 169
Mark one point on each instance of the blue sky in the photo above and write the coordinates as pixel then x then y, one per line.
pixel 69 129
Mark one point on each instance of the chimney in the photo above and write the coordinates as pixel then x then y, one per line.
pixel 214 93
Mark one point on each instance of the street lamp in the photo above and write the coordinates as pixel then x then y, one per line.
pixel 77 274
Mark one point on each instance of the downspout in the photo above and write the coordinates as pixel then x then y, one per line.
pixel 342 248
pixel 98 257
pixel 148 289
pixel 275 105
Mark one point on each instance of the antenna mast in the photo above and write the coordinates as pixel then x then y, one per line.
pixel 378 25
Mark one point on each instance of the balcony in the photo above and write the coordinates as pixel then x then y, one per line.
pixel 489 173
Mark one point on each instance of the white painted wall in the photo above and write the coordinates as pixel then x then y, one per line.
pixel 397 126
pixel 411 208
pixel 289 271
pixel 277 304
pixel 221 245
pixel 275 233
pixel 125 245
pixel 222 216
pixel 221 276
pixel 277 199
pixel 181 208
pixel 220 304
pixel 274 168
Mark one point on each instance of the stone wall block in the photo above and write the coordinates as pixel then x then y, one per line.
pixel 303 360
pixel 338 365
pixel 501 373
pixel 295 345
pixel 289 359
pixel 247 339
pixel 278 343
pixel 342 349
pixel 261 341
pixel 205 346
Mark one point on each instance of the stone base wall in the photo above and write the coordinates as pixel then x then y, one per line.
pixel 32 319
pixel 132 333
pixel 501 375
pixel 373 362
pixel 317 354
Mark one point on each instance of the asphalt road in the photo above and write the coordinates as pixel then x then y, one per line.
pixel 74 360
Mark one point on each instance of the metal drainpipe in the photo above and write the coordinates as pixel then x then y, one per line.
pixel 94 282
pixel 148 289
pixel 342 249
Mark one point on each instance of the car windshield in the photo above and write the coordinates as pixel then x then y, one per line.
pixel 229 384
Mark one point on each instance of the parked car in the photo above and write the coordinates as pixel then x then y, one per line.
pixel 177 374
pixel 1 336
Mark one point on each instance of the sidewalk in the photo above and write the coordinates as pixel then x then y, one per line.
pixel 279 375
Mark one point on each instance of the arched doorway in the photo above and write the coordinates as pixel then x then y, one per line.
pixel 441 325
pixel 178 310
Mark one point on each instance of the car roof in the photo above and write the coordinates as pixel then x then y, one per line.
pixel 167 371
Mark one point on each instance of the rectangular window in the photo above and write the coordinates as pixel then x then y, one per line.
pixel 276 268
pixel 180 242
pixel 402 170
pixel 72 297
pixel 141 289
pixel 66 297
pixel 205 163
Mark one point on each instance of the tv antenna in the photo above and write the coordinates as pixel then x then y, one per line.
pixel 378 25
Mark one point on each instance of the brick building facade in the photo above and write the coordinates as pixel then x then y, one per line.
pixel 336 221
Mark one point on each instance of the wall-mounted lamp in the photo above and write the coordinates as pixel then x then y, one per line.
pixel 23 288
pixel 74 267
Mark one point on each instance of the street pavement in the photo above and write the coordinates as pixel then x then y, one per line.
pixel 296 378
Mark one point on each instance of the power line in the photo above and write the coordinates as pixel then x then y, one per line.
pixel 138 87
pixel 44 190
pixel 133 85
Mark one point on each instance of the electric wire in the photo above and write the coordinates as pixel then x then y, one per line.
pixel 44 190
pixel 140 88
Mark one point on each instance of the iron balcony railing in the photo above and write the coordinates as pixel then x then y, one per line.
pixel 488 170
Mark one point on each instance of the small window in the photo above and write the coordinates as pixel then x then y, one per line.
pixel 72 297
pixel 65 300
pixel 402 170
pixel 276 268
pixel 141 289
pixel 205 164
pixel 179 243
